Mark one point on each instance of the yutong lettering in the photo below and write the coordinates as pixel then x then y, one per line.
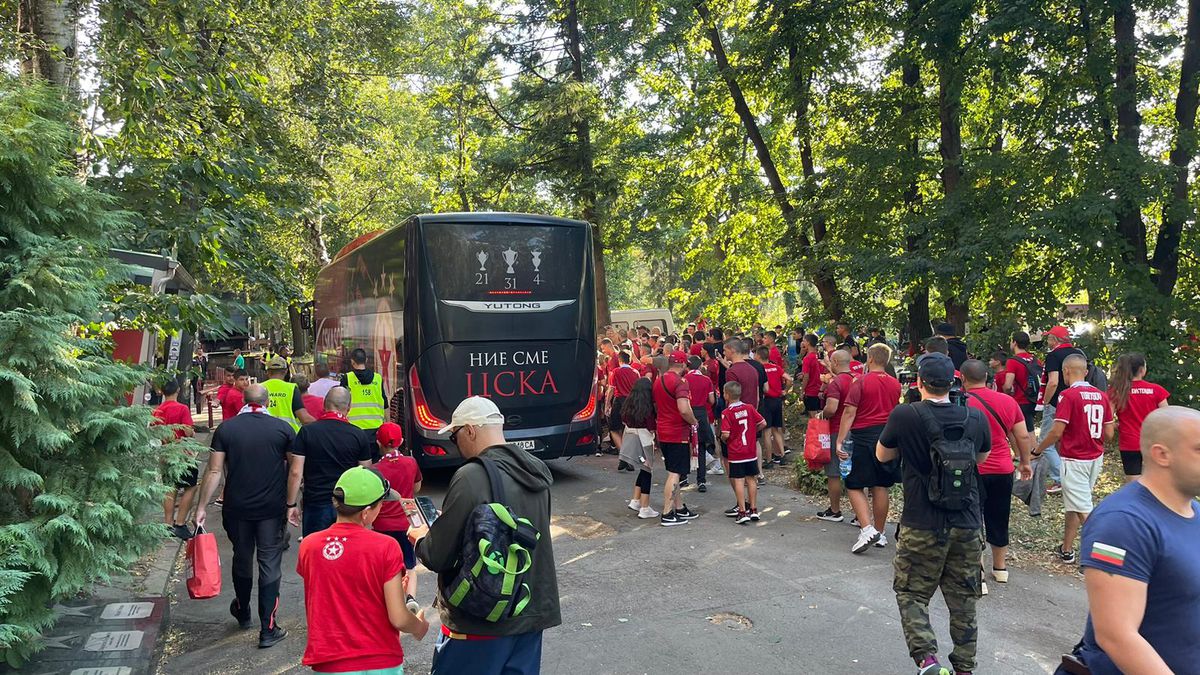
pixel 508 383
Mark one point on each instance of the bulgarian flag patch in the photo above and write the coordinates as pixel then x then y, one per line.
pixel 1108 554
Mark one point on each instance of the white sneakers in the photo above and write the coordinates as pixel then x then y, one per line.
pixel 866 537
pixel 1001 576
pixel 882 541
pixel 647 513
pixel 635 504
pixel 716 470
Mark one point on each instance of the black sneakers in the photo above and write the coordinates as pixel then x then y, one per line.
pixel 830 515
pixel 1067 557
pixel 732 512
pixel 701 488
pixel 686 513
pixel 182 532
pixel 271 637
pixel 671 519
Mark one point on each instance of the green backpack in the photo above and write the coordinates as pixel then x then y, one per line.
pixel 497 553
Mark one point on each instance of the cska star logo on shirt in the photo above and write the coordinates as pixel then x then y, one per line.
pixel 333 548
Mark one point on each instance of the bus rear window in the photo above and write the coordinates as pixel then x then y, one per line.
pixel 505 262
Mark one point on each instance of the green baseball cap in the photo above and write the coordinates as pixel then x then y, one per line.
pixel 360 486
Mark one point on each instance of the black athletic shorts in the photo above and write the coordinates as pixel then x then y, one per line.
pixel 812 403
pixel 614 419
pixel 677 457
pixel 772 411
pixel 1131 462
pixel 865 470
pixel 744 469
pixel 190 478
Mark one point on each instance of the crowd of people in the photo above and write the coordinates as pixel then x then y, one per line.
pixel 960 441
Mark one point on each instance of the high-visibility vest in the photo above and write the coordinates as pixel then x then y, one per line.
pixel 279 404
pixel 366 402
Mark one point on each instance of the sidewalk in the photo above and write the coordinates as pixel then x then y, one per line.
pixel 783 596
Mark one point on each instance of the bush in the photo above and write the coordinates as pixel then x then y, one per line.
pixel 77 467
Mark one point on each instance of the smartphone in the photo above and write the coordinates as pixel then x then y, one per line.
pixel 429 512
pixel 413 512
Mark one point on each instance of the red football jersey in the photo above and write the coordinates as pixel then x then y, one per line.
pixel 774 379
pixel 1144 397
pixel 741 421
pixel 1085 410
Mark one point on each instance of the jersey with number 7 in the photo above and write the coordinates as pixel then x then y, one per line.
pixel 1085 410
pixel 741 422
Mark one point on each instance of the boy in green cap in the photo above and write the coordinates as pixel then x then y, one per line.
pixel 354 585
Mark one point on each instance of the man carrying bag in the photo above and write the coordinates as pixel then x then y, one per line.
pixel 493 623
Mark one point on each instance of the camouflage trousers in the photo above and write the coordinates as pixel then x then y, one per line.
pixel 927 560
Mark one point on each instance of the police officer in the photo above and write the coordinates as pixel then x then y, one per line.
pixel 286 403
pixel 368 400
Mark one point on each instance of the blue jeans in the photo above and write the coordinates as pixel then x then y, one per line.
pixel 1052 451
pixel 509 655
pixel 317 517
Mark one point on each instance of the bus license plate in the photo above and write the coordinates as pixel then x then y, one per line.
pixel 526 445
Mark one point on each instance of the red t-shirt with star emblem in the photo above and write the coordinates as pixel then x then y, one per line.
pixel 344 569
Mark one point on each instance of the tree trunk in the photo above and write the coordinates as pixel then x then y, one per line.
pixel 825 283
pixel 299 335
pixel 587 170
pixel 956 296
pixel 1179 209
pixel 1127 161
pixel 919 327
pixel 52 27
pixel 316 239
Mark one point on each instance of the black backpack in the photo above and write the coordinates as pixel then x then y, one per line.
pixel 497 553
pixel 1096 377
pixel 952 451
pixel 1033 378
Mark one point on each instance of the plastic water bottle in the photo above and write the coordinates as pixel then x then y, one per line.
pixel 844 465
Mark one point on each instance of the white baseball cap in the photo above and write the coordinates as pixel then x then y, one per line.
pixel 477 411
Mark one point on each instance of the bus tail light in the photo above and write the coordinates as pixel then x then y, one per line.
pixel 434 450
pixel 425 417
pixel 585 439
pixel 588 410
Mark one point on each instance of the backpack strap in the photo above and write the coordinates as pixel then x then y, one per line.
pixel 524 532
pixel 932 428
pixel 493 474
pixel 990 409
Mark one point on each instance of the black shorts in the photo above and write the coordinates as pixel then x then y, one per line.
pixel 677 457
pixel 865 470
pixel 614 419
pixel 192 476
pixel 812 403
pixel 772 411
pixel 1131 462
pixel 995 491
pixel 744 469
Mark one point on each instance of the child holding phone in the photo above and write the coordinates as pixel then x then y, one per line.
pixel 402 472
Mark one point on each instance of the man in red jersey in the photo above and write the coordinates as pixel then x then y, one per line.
pixel 810 375
pixel 1083 421
pixel 770 339
pixel 1016 376
pixel 354 584
pixel 871 399
pixel 674 422
pixel 835 395
pixel 234 399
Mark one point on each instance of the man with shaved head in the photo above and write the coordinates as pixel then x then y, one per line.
pixel 251 450
pixel 835 394
pixel 1140 555
pixel 322 452
pixel 1083 421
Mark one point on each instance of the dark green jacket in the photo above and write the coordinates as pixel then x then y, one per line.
pixel 527 483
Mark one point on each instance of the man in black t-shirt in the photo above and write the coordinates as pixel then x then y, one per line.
pixel 935 547
pixel 847 342
pixel 251 451
pixel 322 452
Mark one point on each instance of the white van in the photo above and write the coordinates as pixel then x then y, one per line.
pixel 650 318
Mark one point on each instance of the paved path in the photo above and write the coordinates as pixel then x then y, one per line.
pixel 784 596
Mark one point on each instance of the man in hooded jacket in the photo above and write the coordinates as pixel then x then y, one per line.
pixel 469 644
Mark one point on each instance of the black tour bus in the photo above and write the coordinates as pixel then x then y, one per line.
pixel 451 305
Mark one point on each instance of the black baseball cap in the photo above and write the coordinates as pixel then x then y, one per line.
pixel 936 369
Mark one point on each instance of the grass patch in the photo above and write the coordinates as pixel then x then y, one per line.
pixel 1032 541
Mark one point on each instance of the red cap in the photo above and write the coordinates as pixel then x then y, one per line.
pixel 1060 333
pixel 678 357
pixel 390 435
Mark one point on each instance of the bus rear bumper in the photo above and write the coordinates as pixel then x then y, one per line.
pixel 566 440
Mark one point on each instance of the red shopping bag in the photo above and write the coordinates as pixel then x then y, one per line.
pixel 817 444
pixel 204 566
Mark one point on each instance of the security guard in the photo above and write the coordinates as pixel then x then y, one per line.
pixel 285 400
pixel 368 401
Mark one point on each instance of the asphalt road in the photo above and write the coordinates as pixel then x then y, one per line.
pixel 782 596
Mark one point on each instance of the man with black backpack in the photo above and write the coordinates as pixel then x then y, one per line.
pixel 1022 377
pixel 491 549
pixel 940 446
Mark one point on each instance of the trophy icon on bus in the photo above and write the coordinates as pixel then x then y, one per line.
pixel 510 257
pixel 482 257
pixel 537 261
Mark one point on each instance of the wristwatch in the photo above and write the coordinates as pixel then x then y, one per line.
pixel 292 505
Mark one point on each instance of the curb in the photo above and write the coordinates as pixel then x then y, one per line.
pixel 159 582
